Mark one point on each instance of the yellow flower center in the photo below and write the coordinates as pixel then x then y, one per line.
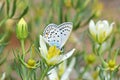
pixel 111 64
pixel 52 52
pixel 68 3
pixel 95 75
pixel 90 59
pixel 31 62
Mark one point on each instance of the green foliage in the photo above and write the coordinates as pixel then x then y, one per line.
pixel 89 59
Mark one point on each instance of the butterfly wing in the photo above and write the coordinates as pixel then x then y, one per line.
pixel 65 30
pixel 51 35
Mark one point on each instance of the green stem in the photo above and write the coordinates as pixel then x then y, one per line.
pixel 44 73
pixel 81 74
pixel 3 21
pixel 100 55
pixel 60 11
pixel 109 55
pixel 111 76
pixel 23 48
pixel 25 78
pixel 30 75
pixel 24 72
pixel 116 54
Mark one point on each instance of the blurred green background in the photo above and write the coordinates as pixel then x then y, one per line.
pixel 39 13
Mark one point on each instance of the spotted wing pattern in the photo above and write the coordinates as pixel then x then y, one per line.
pixel 65 30
pixel 57 35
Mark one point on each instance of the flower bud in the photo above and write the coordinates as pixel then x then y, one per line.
pixel 111 65
pixel 22 29
pixel 31 62
pixel 68 3
pixel 90 59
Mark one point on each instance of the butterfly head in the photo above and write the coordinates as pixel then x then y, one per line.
pixel 55 44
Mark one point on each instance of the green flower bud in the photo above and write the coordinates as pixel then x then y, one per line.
pixel 22 29
pixel 31 63
pixel 91 58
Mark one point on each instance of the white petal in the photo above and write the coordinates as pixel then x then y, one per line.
pixel 101 35
pixel 68 70
pixel 92 28
pixel 109 31
pixel 42 53
pixel 3 76
pixel 62 67
pixel 52 74
pixel 91 23
pixel 54 60
pixel 97 24
pixel 67 55
pixel 100 26
pixel 111 25
pixel 43 45
pixel 106 23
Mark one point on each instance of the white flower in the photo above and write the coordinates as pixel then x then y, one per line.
pixel 67 72
pixel 52 55
pixel 3 76
pixel 54 73
pixel 62 67
pixel 101 30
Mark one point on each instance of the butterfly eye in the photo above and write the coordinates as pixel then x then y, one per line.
pixel 61 49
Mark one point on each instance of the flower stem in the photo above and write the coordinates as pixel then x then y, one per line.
pixel 23 48
pixel 111 76
pixel 44 73
pixel 100 55
pixel 3 21
pixel 81 74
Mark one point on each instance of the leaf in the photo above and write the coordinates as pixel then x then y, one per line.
pixel 3 21
pixel 60 9
pixel 24 12
pixel 115 71
pixel 8 6
pixel 1 49
pixel 101 74
pixel 77 25
pixel 2 60
pixel 2 46
pixel 13 9
pixel 17 68
pixel 1 7
pixel 112 42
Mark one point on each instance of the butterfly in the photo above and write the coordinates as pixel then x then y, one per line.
pixel 57 34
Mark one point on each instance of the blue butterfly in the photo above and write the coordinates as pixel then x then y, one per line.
pixel 57 34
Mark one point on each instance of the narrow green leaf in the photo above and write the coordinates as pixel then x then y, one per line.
pixel 112 42
pixel 3 21
pixel 101 75
pixel 2 60
pixel 60 11
pixel 13 9
pixel 24 12
pixel 1 7
pixel 8 6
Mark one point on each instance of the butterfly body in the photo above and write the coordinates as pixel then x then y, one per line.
pixel 57 34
